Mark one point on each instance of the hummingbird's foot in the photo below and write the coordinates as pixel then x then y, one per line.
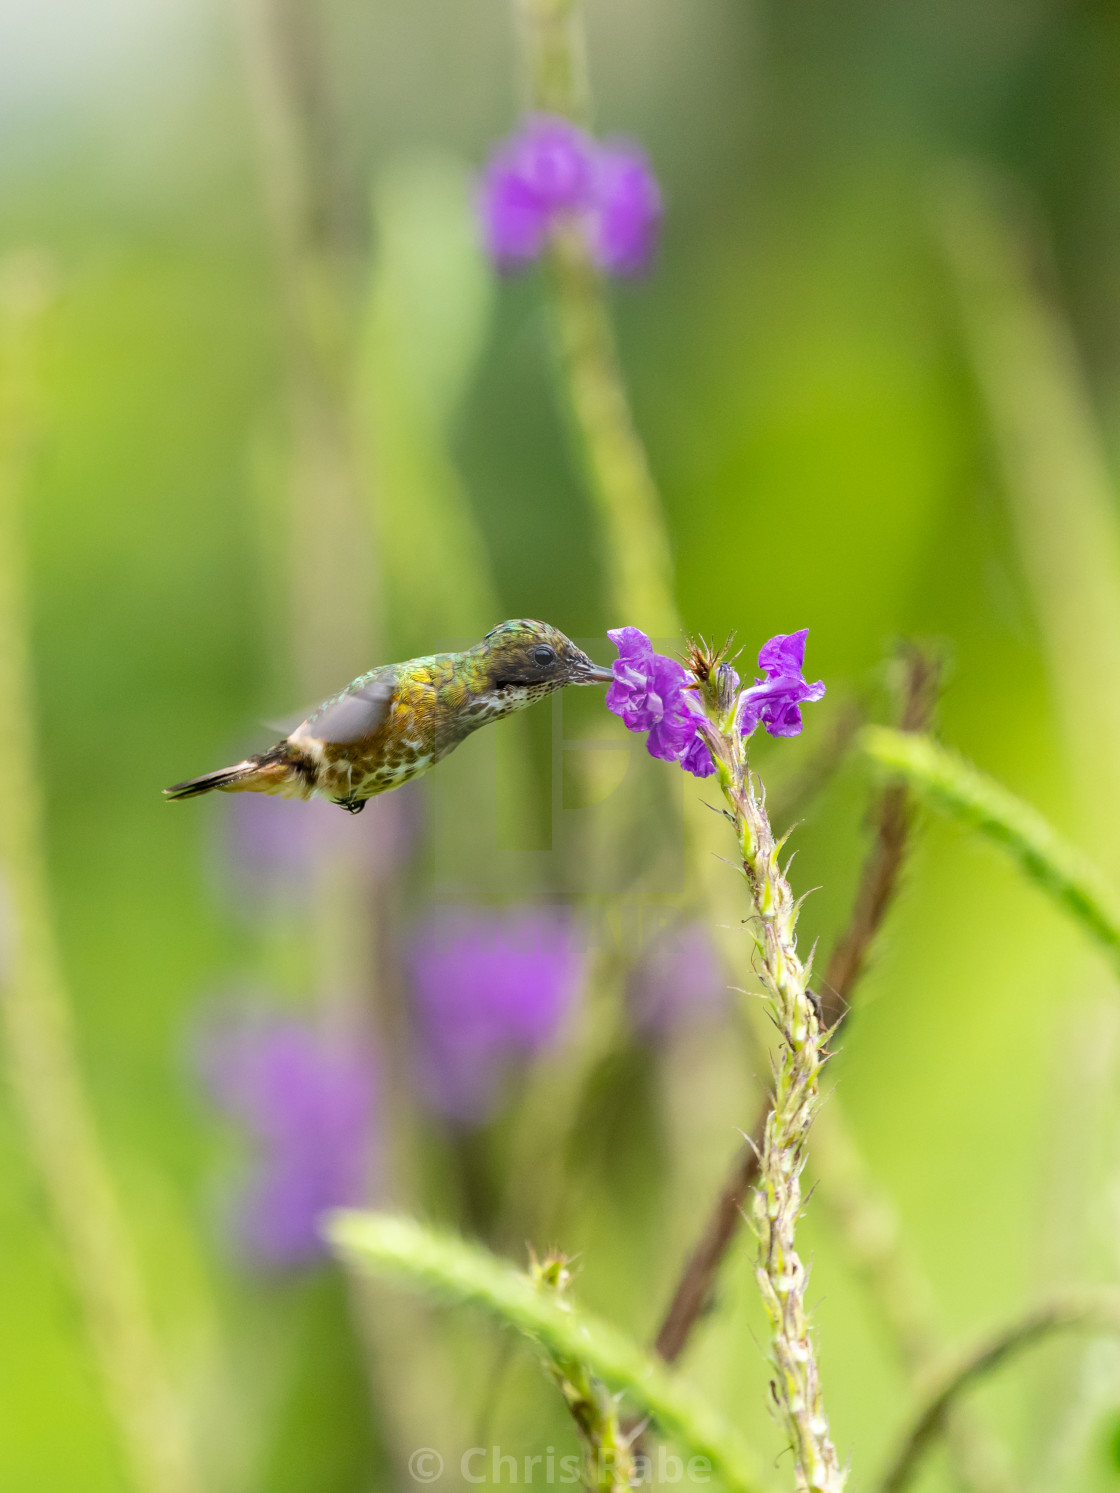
pixel 352 805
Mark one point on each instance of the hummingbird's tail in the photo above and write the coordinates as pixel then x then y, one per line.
pixel 272 772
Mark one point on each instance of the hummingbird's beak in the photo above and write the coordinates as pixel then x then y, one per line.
pixel 596 674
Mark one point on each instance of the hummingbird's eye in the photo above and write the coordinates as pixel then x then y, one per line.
pixel 543 655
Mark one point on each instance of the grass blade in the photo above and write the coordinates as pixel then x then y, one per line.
pixel 951 784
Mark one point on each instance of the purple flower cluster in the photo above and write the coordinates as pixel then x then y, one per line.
pixel 489 989
pixel 652 693
pixel 307 1102
pixel 551 172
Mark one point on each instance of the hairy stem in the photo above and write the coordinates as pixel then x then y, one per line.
pixel 866 1220
pixel 781 1276
pixel 779 1271
pixel 46 1082
pixel 608 1458
pixel 447 1267
pixel 874 895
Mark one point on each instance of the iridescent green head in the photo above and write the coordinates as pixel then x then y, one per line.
pixel 536 656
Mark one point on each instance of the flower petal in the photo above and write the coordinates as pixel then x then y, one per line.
pixel 697 759
pixel 784 653
pixel 627 211
pixel 540 172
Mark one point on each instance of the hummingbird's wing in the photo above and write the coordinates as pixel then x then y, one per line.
pixel 354 715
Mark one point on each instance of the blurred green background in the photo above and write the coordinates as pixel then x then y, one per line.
pixel 801 364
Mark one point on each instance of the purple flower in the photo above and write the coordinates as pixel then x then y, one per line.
pixel 552 172
pixel 627 209
pixel 776 700
pixel 489 989
pixel 677 982
pixel 696 758
pixel 307 1102
pixel 532 179
pixel 649 694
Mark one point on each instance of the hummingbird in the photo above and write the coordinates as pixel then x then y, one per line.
pixel 396 722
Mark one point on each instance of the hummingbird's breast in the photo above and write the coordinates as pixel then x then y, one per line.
pixel 394 724
pixel 388 727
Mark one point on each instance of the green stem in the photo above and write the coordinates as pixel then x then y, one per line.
pixel 608 1458
pixel 556 58
pixel 949 783
pixel 447 1267
pixel 35 1018
pixel 640 573
pixel 639 558
pixel 1100 1313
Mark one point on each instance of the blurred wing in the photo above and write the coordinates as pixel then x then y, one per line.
pixel 283 726
pixel 354 715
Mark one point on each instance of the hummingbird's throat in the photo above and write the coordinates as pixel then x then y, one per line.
pixel 505 699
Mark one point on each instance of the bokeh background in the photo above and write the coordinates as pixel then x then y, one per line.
pixel 876 370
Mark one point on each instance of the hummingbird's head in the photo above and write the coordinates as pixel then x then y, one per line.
pixel 533 656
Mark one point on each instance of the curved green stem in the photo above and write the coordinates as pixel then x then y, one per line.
pixel 1100 1313
pixel 949 783
pixel 444 1266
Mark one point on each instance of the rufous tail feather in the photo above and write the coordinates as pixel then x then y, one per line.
pixel 269 773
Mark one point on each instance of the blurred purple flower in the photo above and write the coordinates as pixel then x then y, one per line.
pixel 551 172
pixel 532 178
pixel 307 1101
pixel 489 988
pixel 627 209
pixel 677 981
pixel 649 694
pixel 776 700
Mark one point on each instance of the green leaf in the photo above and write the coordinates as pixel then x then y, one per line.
pixel 451 1269
pixel 949 783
